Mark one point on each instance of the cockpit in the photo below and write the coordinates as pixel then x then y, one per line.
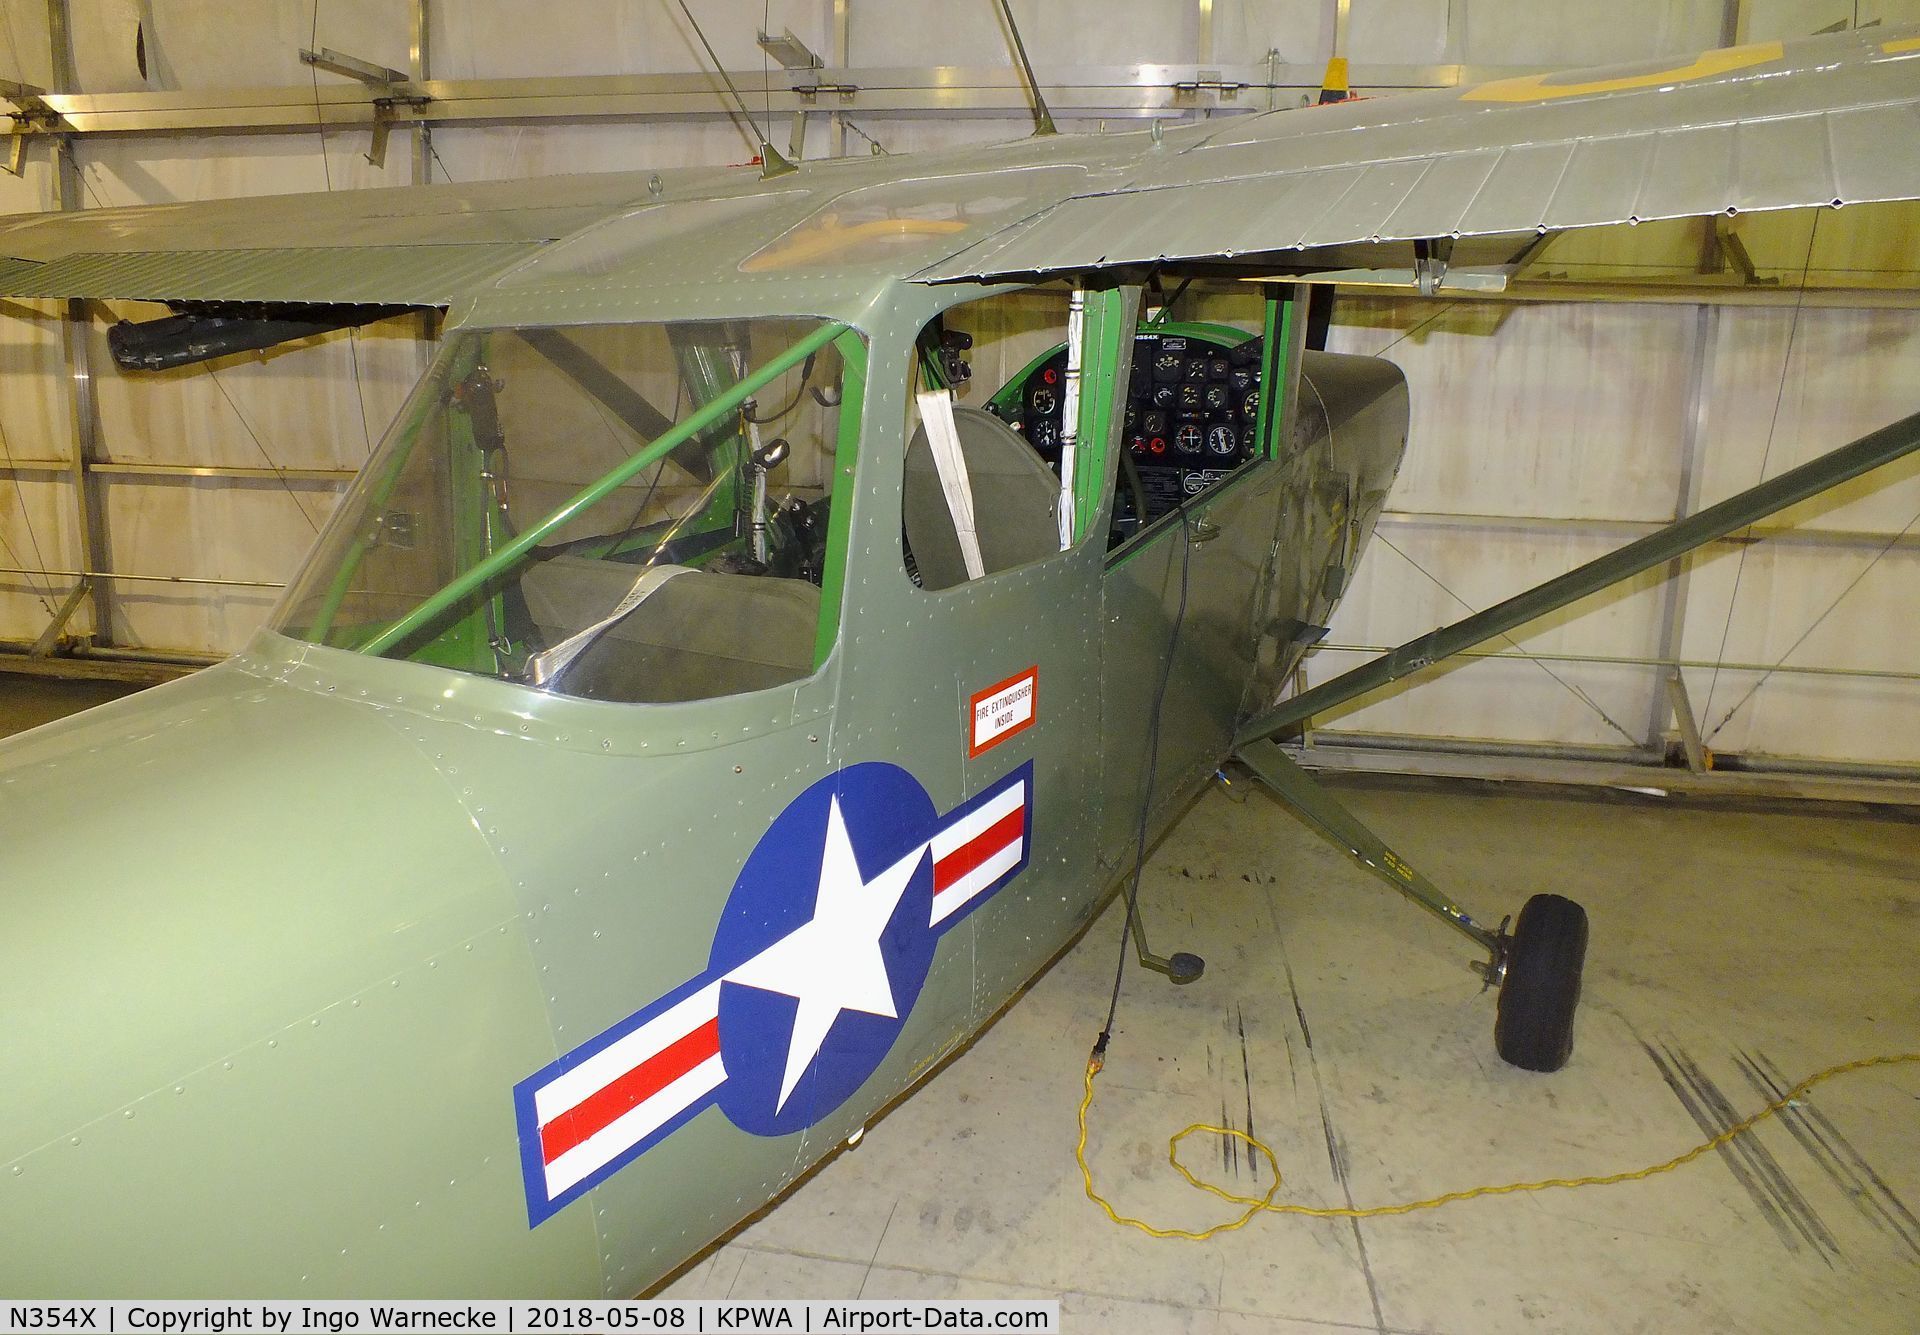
pixel 632 512
pixel 642 512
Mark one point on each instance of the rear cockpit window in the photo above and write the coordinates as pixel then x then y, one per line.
pixel 980 494
pixel 634 512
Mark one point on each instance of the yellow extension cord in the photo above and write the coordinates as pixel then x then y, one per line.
pixel 1257 1205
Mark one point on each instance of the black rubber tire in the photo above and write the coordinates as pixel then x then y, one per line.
pixel 1542 988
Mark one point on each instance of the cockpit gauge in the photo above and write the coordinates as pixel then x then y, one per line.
pixel 1192 412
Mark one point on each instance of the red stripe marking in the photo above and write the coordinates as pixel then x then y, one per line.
pixel 604 1106
pixel 978 849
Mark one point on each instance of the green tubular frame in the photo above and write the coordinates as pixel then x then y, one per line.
pixel 509 555
pixel 1103 336
pixel 466 644
pixel 1278 333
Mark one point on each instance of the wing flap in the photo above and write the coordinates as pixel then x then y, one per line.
pixel 1434 206
pixel 1878 142
pixel 1603 177
pixel 1693 171
pixel 1521 185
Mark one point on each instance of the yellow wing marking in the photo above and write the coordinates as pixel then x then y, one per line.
pixel 830 237
pixel 1535 88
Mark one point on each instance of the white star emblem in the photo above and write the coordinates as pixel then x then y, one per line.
pixel 832 963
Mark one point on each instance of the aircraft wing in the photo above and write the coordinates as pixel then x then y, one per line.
pixel 404 246
pixel 1826 121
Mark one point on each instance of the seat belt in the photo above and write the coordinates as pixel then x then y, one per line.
pixel 545 666
pixel 943 437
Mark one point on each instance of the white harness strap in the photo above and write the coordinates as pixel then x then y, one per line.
pixel 549 663
pixel 936 410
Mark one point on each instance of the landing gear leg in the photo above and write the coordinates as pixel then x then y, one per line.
pixel 1537 968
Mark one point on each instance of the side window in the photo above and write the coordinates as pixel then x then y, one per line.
pixel 1194 400
pixel 987 438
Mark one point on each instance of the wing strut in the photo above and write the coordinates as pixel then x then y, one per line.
pixel 1662 545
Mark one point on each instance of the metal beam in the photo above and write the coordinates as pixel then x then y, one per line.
pixel 148 579
pixel 1678 582
pixel 1795 535
pixel 1644 661
pixel 1886 295
pixel 50 637
pixel 1334 753
pixel 17 661
pixel 1810 479
pixel 83 412
pixel 237 472
pixel 1081 91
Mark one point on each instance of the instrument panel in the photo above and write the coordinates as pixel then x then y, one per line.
pixel 1192 416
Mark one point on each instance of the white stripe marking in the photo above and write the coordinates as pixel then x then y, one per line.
pixel 570 1088
pixel 627 1130
pixel 978 821
pixel 956 896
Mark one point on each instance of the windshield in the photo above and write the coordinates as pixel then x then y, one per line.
pixel 620 512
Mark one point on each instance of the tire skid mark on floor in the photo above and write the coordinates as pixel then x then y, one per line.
pixel 1791 1199
pixel 1229 1145
pixel 1834 1153
pixel 1336 1158
pixel 1708 1126
pixel 1299 1014
pixel 1246 1077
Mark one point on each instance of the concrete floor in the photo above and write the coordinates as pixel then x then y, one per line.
pixel 27 702
pixel 1732 947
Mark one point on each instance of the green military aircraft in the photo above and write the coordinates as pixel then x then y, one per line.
pixel 777 622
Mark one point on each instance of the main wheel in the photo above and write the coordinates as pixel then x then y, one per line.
pixel 1541 989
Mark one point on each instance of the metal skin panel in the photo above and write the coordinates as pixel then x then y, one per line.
pixel 398 275
pixel 1878 142
pixel 1569 150
pixel 1283 522
pixel 257 1020
pixel 476 213
pixel 1812 91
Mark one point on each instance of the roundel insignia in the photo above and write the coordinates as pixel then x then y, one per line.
pixel 813 993
pixel 820 953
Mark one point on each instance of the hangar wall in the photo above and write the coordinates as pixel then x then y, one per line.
pixel 1544 433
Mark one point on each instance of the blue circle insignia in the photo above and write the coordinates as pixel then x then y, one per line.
pixel 823 947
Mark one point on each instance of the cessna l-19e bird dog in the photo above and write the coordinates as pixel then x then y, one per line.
pixel 710 704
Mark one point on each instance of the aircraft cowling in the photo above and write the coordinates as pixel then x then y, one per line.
pixel 264 987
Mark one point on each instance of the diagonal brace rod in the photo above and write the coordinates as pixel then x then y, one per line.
pixel 1662 545
pixel 1320 809
pixel 512 553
